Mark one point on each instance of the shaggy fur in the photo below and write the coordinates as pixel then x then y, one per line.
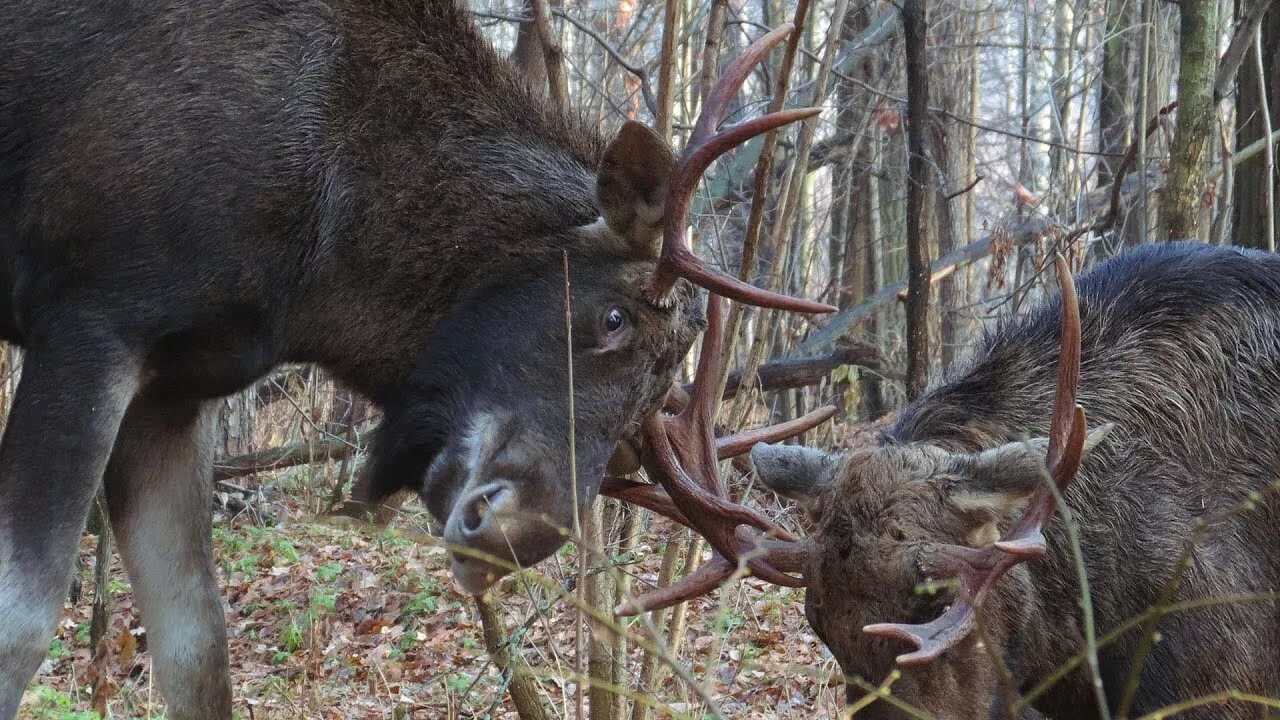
pixel 1181 351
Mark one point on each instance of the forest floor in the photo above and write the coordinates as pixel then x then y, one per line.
pixel 331 622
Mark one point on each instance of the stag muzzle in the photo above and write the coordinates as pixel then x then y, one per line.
pixel 510 506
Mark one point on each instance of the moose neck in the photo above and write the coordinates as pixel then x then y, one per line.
pixel 448 167
pixel 1001 397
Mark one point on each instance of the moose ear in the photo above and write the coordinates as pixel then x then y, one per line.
pixel 1003 478
pixel 631 185
pixel 795 472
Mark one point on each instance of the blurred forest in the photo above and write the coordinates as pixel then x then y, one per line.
pixel 962 142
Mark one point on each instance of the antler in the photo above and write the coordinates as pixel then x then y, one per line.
pixel 682 454
pixel 977 569
pixel 705 145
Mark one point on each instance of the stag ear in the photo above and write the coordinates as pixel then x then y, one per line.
pixel 795 472
pixel 631 186
pixel 1003 479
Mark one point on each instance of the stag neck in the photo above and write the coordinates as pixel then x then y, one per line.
pixel 440 164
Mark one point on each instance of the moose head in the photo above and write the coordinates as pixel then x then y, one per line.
pixel 911 532
pixel 529 382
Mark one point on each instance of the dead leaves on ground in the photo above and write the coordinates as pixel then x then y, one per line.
pixel 332 623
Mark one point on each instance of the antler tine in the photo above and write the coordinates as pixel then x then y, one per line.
pixel 741 443
pixel 976 570
pixel 646 495
pixel 773 559
pixel 698 583
pixel 710 513
pixel 717 102
pixel 1062 424
pixel 1066 425
pixel 702 400
pixel 705 145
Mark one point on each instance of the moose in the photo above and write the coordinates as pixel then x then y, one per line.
pixel 934 550
pixel 192 193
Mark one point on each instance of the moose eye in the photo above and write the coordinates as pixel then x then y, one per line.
pixel 615 320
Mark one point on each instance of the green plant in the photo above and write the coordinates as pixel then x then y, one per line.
pixel 285 549
pixel 330 572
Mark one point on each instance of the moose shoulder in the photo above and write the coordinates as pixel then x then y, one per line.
pixel 1180 361
pixel 191 193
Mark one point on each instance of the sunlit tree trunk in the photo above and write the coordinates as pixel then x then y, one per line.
pixel 1183 211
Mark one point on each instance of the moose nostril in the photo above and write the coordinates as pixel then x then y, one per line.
pixel 480 505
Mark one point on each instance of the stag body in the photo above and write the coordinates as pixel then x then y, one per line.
pixel 191 193
pixel 1181 353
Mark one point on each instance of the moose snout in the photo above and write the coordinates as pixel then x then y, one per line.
pixel 482 532
pixel 494 529
pixel 503 497
pixel 479 510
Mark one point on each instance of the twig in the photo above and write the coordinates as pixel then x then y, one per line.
pixel 278 458
pixel 666 70
pixel 1268 157
pixel 1113 213
pixel 573 485
pixel 1214 699
pixel 646 88
pixel 1086 598
pixel 966 188
pixel 1135 622
pixel 798 372
pixel 883 693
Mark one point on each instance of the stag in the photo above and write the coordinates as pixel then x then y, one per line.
pixel 936 552
pixel 192 193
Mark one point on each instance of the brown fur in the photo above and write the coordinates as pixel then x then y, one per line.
pixel 194 192
pixel 1181 351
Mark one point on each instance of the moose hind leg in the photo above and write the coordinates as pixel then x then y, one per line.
pixel 74 390
pixel 159 494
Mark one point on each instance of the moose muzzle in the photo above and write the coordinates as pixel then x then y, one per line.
pixel 511 504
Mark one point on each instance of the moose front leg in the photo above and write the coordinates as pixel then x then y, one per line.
pixel 74 391
pixel 159 493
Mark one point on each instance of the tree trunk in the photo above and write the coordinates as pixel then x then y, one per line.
pixel 1116 91
pixel 1183 213
pixel 915 28
pixel 1250 176
pixel 527 55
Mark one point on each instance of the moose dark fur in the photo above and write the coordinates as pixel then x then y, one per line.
pixel 1181 356
pixel 191 193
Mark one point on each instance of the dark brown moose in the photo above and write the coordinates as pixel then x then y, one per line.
pixel 192 193
pixel 928 555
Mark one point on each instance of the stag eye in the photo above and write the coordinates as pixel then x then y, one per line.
pixel 615 320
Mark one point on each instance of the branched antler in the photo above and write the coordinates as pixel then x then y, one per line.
pixel 682 454
pixel 977 569
pixel 705 145
pixel 680 450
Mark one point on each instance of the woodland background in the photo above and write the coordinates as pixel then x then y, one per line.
pixel 962 142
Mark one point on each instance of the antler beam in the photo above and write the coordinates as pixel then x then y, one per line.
pixel 705 145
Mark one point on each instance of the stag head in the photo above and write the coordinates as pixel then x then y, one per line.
pixel 912 538
pixel 485 421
